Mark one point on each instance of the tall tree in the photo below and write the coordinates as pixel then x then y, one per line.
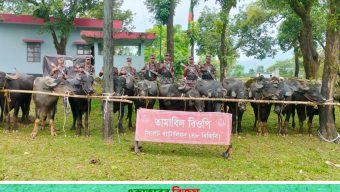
pixel 327 127
pixel 226 6
pixel 288 38
pixel 164 11
pixel 108 71
pixel 191 26
pixel 211 27
pixel 63 13
pixel 303 8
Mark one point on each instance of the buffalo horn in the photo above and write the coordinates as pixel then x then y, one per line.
pixel 51 82
pixel 13 77
pixel 233 94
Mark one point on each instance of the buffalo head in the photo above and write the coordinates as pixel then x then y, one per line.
pixel 119 85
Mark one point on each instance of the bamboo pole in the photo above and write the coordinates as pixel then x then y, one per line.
pixel 108 98
pixel 125 98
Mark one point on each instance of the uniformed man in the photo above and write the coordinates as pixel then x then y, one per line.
pixel 58 70
pixel 150 69
pixel 87 66
pixel 128 70
pixel 208 70
pixel 191 73
pixel 166 69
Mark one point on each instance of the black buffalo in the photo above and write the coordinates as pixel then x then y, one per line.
pixel 15 100
pixel 287 90
pixel 312 94
pixel 236 90
pixel 262 89
pixel 79 106
pixel 179 90
pixel 212 89
pixel 145 88
pixel 123 86
pixel 46 105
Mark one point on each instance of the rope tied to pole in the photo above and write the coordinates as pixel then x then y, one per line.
pixel 106 103
pixel 67 107
pixel 327 140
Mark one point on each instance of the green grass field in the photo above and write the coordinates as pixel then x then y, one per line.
pixel 66 157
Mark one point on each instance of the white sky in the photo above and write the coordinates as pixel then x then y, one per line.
pixel 144 20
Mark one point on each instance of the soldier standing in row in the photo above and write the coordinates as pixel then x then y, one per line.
pixel 128 70
pixel 58 70
pixel 87 66
pixel 166 69
pixel 191 73
pixel 208 70
pixel 150 69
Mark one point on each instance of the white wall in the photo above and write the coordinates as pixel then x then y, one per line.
pixel 13 51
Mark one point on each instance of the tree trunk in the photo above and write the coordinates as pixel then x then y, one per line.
pixel 327 122
pixel 192 42
pixel 223 53
pixel 296 58
pixel 310 55
pixel 108 72
pixel 170 31
pixel 59 46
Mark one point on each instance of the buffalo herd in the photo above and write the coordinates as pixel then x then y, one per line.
pixel 258 88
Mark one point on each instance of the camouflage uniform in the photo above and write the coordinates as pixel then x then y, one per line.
pixel 149 71
pixel 191 73
pixel 89 69
pixel 167 72
pixel 208 71
pixel 129 71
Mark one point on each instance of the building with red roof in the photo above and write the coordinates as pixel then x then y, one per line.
pixel 23 44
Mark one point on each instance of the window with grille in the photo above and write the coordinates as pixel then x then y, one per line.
pixel 83 49
pixel 33 52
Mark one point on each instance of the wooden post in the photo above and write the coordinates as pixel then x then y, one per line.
pixel 108 71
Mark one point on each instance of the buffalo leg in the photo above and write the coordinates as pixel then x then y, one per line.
pixel 301 111
pixel 35 128
pixel 15 118
pixel 8 121
pixel 310 120
pixel 87 129
pixel 79 124
pixel 239 122
pixel 74 113
pixel 293 116
pixel 259 128
pixel 129 115
pixel 52 127
pixel 120 119
pixel 279 124
pixel 265 128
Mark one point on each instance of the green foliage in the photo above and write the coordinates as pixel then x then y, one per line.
pixel 16 7
pixel 256 27
pixel 209 36
pixel 118 14
pixel 260 69
pixel 181 43
pixel 237 71
pixel 160 9
pixel 286 67
pixel 251 73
